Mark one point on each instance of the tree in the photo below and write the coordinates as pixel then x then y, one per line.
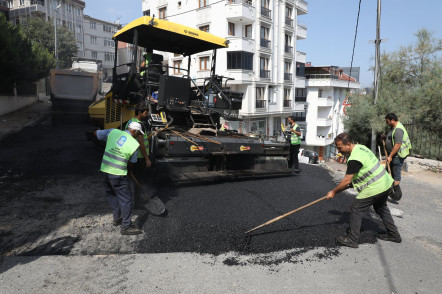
pixel 42 33
pixel 410 86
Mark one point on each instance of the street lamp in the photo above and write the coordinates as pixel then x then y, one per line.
pixel 55 32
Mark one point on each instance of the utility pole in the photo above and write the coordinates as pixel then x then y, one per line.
pixel 377 70
pixel 55 34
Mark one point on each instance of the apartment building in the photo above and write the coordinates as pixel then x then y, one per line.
pixel 98 43
pixel 327 88
pixel 262 55
pixel 68 13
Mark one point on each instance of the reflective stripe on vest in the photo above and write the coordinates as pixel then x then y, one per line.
pixel 146 140
pixel 404 150
pixel 372 178
pixel 119 147
pixel 295 139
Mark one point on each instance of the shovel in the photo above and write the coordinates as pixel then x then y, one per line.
pixel 286 214
pixel 154 205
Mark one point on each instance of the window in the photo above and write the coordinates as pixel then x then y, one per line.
pixel 68 7
pixel 162 13
pixel 231 29
pixel 287 67
pixel 271 93
pixel 260 93
pixel 80 46
pixel 70 26
pixel 77 11
pixel 265 3
pixel 277 131
pixel 204 28
pixel 239 60
pixel 177 66
pixel 146 12
pixel 108 43
pixel 287 98
pixel 94 54
pixel 265 42
pixel 301 95
pixel 78 28
pixel 204 63
pixel 93 25
pixel 203 3
pixel 22 2
pixel 258 127
pixel 107 29
pixel 300 69
pixel 248 31
pixel 263 63
pixel 288 12
pixel 108 56
pixel 93 40
pixel 320 93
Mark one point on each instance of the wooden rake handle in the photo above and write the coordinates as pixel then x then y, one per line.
pixel 286 214
pixel 386 156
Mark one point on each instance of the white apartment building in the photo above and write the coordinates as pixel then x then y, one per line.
pixel 68 13
pixel 327 87
pixel 98 43
pixel 262 55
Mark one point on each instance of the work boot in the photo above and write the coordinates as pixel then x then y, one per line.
pixel 131 230
pixel 397 195
pixel 388 237
pixel 117 222
pixel 347 241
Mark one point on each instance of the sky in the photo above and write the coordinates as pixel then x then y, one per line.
pixel 331 27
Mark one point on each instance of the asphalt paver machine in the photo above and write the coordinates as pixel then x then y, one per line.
pixel 188 142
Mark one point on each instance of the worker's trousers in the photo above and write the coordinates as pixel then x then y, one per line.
pixel 120 198
pixel 293 160
pixel 359 208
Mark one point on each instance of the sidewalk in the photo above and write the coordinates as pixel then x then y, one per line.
pixel 28 116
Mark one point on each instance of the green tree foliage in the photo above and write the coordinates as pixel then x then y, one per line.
pixel 42 33
pixel 20 58
pixel 410 86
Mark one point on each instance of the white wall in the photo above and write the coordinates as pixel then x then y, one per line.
pixel 10 104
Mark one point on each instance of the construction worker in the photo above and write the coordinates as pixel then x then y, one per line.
pixel 147 59
pixel 295 143
pixel 119 156
pixel 373 184
pixel 143 161
pixel 398 146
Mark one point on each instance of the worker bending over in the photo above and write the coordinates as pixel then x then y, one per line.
pixel 118 157
pixel 143 161
pixel 373 184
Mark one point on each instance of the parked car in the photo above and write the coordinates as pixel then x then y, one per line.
pixel 311 155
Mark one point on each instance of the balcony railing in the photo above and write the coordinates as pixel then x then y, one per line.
pixel 301 98
pixel 299 118
pixel 288 49
pixel 289 21
pixel 264 74
pixel 248 2
pixel 38 2
pixel 287 103
pixel 265 43
pixel 321 76
pixel 260 104
pixel 287 76
pixel 266 12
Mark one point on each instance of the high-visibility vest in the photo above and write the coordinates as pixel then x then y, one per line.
pixel 146 140
pixel 119 148
pixel 372 178
pixel 294 139
pixel 404 150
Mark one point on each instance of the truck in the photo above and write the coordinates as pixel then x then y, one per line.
pixel 73 90
pixel 188 142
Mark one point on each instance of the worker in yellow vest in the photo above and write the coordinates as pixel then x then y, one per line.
pixel 295 143
pixel 398 146
pixel 143 161
pixel 119 156
pixel 373 184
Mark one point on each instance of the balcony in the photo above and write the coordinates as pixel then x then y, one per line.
pixel 287 76
pixel 325 102
pixel 288 49
pixel 38 2
pixel 266 12
pixel 322 141
pixel 260 104
pixel 299 107
pixel 265 43
pixel 324 122
pixel 301 32
pixel 240 10
pixel 264 74
pixel 302 7
pixel 289 22
pixel 287 103
pixel 301 99
pixel 300 57
pixel 241 44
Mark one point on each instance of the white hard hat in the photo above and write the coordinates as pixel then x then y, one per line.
pixel 136 126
